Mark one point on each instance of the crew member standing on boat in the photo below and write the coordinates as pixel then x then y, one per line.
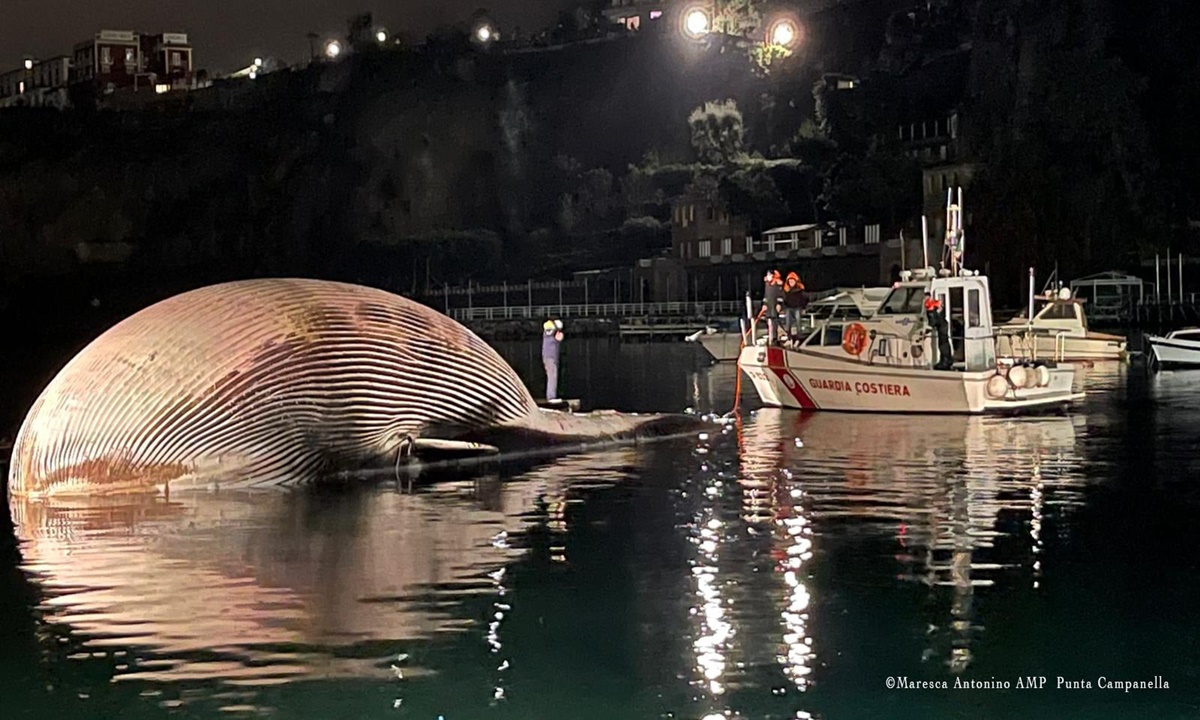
pixel 552 337
pixel 937 320
pixel 772 301
pixel 795 300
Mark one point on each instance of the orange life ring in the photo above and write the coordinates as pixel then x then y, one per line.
pixel 854 340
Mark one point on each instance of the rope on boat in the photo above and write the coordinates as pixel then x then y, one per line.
pixel 737 384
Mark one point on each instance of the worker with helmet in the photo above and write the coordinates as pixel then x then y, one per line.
pixel 937 321
pixel 795 301
pixel 552 337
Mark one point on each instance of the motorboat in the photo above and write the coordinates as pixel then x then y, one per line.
pixel 1059 330
pixel 1181 347
pixel 725 342
pixel 891 362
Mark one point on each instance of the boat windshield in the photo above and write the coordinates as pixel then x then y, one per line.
pixel 904 300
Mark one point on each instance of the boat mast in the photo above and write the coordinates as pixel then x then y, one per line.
pixel 952 253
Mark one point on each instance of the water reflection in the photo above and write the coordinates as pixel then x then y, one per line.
pixel 938 486
pixel 265 588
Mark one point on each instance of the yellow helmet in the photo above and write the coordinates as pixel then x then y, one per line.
pixel 548 326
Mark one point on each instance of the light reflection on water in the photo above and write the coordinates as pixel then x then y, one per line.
pixel 265 590
pixel 262 588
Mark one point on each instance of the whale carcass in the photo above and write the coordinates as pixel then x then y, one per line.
pixel 273 381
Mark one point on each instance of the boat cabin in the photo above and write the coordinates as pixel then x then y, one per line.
pixel 900 333
pixel 1059 313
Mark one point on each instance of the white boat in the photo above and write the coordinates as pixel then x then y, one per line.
pixel 1181 347
pixel 1058 331
pixel 724 343
pixel 889 361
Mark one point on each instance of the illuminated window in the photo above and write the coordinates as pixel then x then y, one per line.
pixel 727 246
pixel 705 248
pixel 106 56
pixel 655 14
pixel 130 57
pixel 633 22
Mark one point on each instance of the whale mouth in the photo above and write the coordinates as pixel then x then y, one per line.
pixel 521 445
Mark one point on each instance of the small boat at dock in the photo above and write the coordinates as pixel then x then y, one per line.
pixel 1180 348
pixel 725 342
pixel 891 362
pixel 1059 331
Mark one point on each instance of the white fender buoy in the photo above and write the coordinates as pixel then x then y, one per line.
pixel 1031 378
pixel 1016 376
pixel 996 386
pixel 1043 376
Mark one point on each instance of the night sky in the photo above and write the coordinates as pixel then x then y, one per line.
pixel 229 34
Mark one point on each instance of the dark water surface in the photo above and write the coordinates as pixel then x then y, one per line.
pixel 783 568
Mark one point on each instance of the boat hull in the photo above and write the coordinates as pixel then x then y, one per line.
pixel 1168 351
pixel 808 380
pixel 723 347
pixel 1074 347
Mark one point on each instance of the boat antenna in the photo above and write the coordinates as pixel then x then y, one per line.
pixel 1029 318
pixel 952 252
pixel 924 241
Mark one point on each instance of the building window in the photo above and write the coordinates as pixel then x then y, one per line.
pixel 655 14
pixel 106 56
pixel 176 59
pixel 633 22
pixel 705 248
pixel 712 213
pixel 130 57
pixel 727 246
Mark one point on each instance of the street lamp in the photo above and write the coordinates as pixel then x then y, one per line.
pixel 783 33
pixel 28 64
pixel 381 36
pixel 258 62
pixel 333 48
pixel 696 22
pixel 484 33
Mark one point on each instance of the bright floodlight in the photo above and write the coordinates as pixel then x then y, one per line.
pixel 484 33
pixel 257 62
pixel 333 48
pixel 381 36
pixel 28 64
pixel 784 33
pixel 696 23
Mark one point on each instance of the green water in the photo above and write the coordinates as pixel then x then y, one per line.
pixel 783 567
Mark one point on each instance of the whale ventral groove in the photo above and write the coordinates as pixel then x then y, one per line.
pixel 269 382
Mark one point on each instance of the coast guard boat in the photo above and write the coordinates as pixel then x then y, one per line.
pixel 890 361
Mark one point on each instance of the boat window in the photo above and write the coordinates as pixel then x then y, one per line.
pixel 973 308
pixel 1186 335
pixel 903 301
pixel 1058 311
pixel 827 336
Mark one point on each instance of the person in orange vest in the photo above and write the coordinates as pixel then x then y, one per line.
pixel 937 320
pixel 795 300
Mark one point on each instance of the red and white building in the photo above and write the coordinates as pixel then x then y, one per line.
pixel 116 59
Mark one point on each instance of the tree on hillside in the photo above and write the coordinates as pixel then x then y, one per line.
pixel 718 132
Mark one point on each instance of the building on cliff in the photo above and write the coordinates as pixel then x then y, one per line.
pixel 39 83
pixel 118 59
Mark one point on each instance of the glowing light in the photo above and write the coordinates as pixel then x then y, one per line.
pixel 258 62
pixel 695 23
pixel 381 36
pixel 333 48
pixel 28 64
pixel 783 33
pixel 484 33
